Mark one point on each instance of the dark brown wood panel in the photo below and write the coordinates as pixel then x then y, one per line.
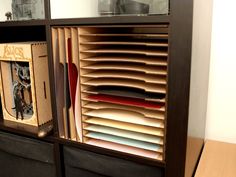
pixel 23 23
pixel 58 159
pixel 112 20
pixel 47 9
pixel 22 33
pixel 178 86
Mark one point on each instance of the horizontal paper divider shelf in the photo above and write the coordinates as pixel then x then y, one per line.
pixel 124 66
pixel 124 133
pixel 145 112
pixel 161 101
pixel 125 141
pixel 125 116
pixel 155 100
pixel 126 149
pixel 129 58
pixel 125 126
pixel 156 36
pixel 126 101
pixel 128 51
pixel 148 87
pixel 87 100
pixel 160 27
pixel 152 44
pixel 147 78
pixel 126 92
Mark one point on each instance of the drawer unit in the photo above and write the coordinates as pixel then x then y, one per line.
pixel 21 157
pixel 89 164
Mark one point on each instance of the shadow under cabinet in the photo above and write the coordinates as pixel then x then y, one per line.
pixel 22 157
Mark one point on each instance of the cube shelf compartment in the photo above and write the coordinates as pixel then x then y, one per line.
pixel 120 97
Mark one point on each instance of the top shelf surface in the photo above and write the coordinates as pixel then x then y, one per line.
pixel 23 23
pixel 113 20
pixel 91 21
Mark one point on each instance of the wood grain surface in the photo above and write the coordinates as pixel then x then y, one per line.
pixel 218 160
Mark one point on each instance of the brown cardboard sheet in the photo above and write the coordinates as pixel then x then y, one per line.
pixel 71 89
pixel 62 59
pixel 59 81
pixel 75 62
pixel 75 46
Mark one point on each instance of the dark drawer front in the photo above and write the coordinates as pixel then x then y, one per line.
pixel 24 157
pixel 89 164
pixel 77 172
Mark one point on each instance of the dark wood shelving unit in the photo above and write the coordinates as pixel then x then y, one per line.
pixel 177 102
pixel 112 20
pixel 24 23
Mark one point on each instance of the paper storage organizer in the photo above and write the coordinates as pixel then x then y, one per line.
pixel 118 95
pixel 25 89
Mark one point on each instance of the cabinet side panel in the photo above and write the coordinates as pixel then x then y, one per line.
pixel 178 86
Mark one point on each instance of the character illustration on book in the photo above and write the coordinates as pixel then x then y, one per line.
pixel 22 90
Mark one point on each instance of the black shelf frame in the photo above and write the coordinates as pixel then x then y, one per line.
pixel 108 20
pixel 24 23
pixel 179 69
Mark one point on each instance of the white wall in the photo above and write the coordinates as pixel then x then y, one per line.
pixel 5 6
pixel 89 8
pixel 201 51
pixel 221 114
pixel 73 8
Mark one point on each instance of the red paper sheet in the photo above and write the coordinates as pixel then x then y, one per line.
pixel 73 74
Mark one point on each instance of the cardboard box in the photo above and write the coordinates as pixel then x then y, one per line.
pixel 25 88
